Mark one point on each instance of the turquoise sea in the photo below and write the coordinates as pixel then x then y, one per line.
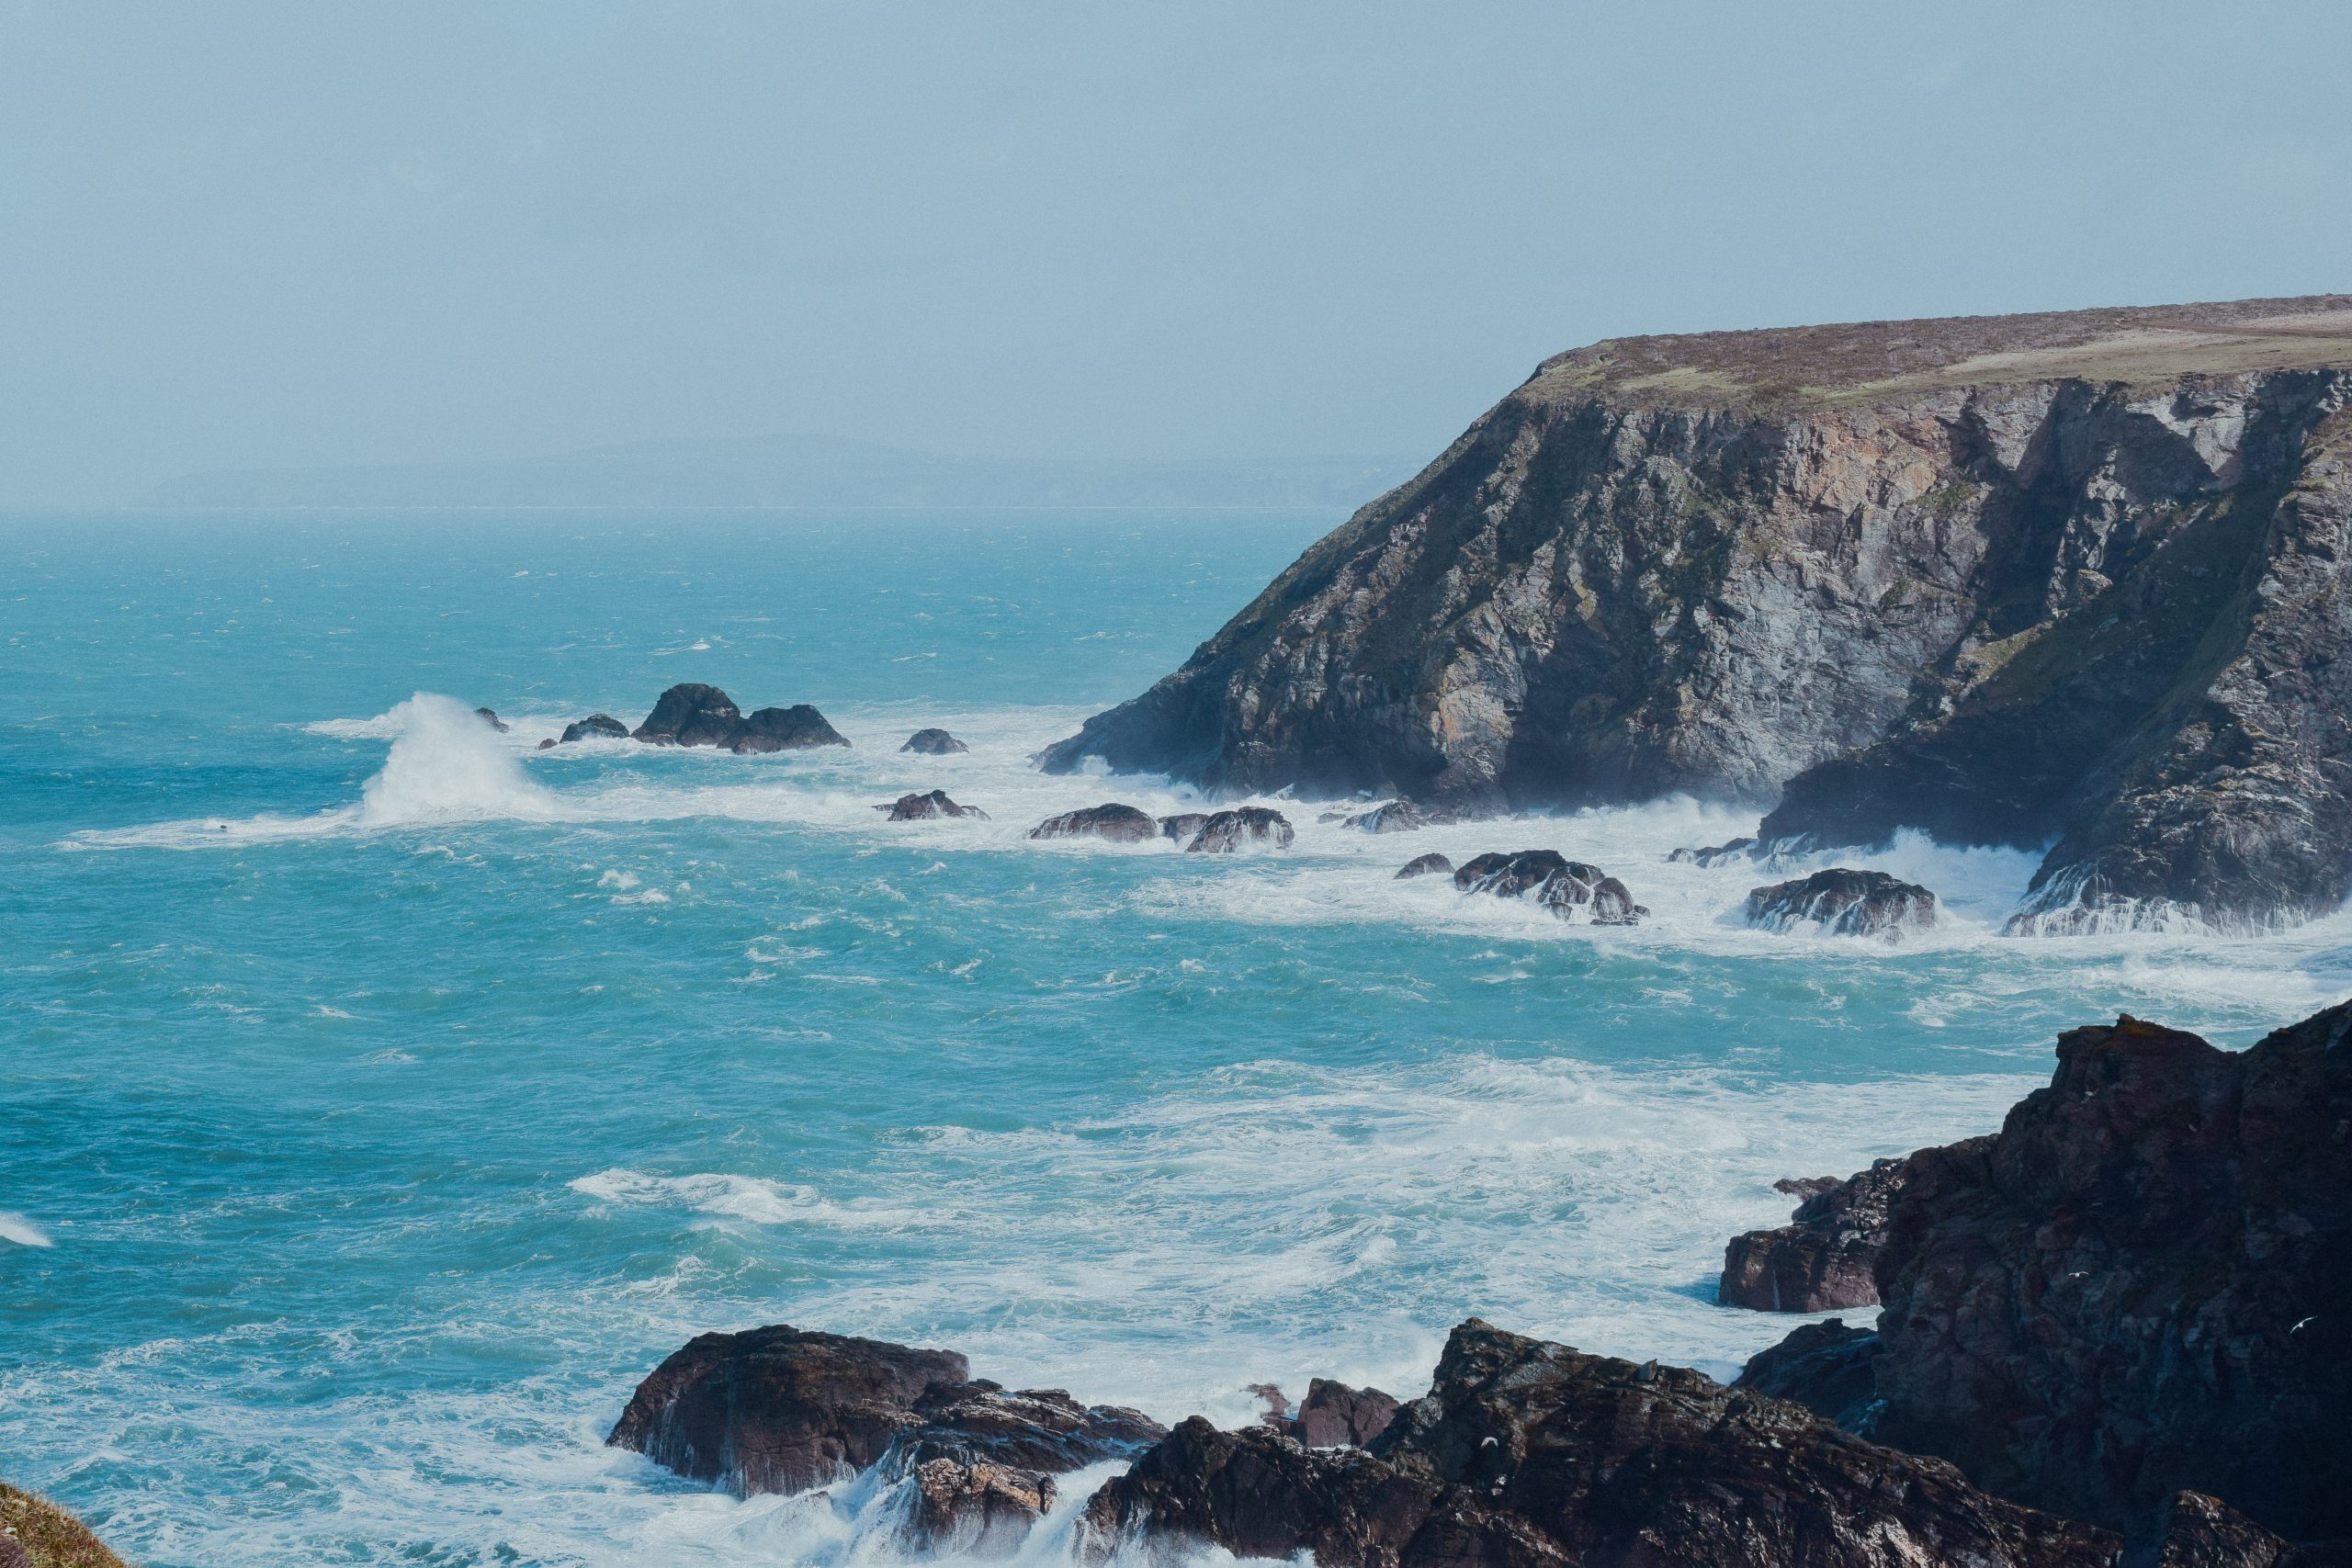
pixel 380 1097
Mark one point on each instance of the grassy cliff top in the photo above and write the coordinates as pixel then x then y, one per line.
pixel 39 1534
pixel 1859 361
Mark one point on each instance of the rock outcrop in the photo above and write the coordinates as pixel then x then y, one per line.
pixel 694 714
pixel 1828 1368
pixel 595 726
pixel 1822 1260
pixel 933 743
pixel 1334 1415
pixel 491 719
pixel 1244 828
pixel 2008 580
pixel 1120 824
pixel 784 1410
pixel 1431 864
pixel 1566 887
pixel 1526 1454
pixel 924 808
pixel 1844 902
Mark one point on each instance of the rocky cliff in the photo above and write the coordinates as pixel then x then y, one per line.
pixel 2068 579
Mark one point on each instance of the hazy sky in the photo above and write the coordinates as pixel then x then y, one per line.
pixel 237 235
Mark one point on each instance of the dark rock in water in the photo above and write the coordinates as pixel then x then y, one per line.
pixel 1431 864
pixel 1715 854
pixel 795 728
pixel 1562 885
pixel 1032 1428
pixel 1184 826
pixel 933 743
pixel 1334 1415
pixel 1405 816
pixel 980 1509
pixel 922 807
pixel 1120 824
pixel 493 720
pixel 1823 1260
pixel 1829 1369
pixel 779 1409
pixel 1247 826
pixel 595 726
pixel 692 714
pixel 547 745
pixel 2141 1285
pixel 1525 1454
pixel 1845 903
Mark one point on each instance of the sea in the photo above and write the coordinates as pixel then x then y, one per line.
pixel 381 1095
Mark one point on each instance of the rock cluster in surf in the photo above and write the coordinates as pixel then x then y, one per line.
pixel 1566 887
pixel 1844 902
pixel 691 713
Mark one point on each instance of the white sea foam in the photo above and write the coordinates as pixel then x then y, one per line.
pixel 15 1227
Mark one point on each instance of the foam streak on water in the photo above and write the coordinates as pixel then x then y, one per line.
pixel 386 1095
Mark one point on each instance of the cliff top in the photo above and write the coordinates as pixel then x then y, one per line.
pixel 1855 361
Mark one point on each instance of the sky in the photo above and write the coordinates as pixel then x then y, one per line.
pixel 261 234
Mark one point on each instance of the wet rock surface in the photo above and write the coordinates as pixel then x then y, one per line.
pixel 595 726
pixel 694 715
pixel 1244 828
pixel 1822 1260
pixel 1431 864
pixel 784 730
pixel 1528 1453
pixel 1120 824
pixel 1183 827
pixel 927 807
pixel 934 743
pixel 1566 887
pixel 1844 902
pixel 1715 854
pixel 1408 815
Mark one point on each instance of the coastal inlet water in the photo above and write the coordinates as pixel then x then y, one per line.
pixel 381 1097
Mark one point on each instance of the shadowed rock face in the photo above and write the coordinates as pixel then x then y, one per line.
pixel 1566 887
pixel 2011 580
pixel 933 743
pixel 1431 864
pixel 913 807
pixel 1823 1260
pixel 1829 1369
pixel 1120 824
pixel 1249 826
pixel 1525 1454
pixel 1845 903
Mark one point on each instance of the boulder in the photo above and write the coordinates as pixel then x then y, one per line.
pixel 1431 864
pixel 1844 902
pixel 1247 826
pixel 1822 1262
pixel 692 714
pixel 933 743
pixel 1525 1454
pixel 1715 854
pixel 1120 824
pixel 1184 826
pixel 493 720
pixel 922 807
pixel 595 726
pixel 1406 815
pixel 1334 1415
pixel 1564 886
pixel 795 728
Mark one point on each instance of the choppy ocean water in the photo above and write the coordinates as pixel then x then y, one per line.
pixel 380 1097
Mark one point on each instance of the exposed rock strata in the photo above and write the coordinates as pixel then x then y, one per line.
pixel 1120 824
pixel 1844 902
pixel 1525 1454
pixel 1566 887
pixel 1245 828
pixel 927 807
pixel 2011 580
pixel 1822 1260
pixel 1431 864
pixel 933 743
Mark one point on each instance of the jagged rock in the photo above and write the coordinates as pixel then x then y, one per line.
pixel 1829 1369
pixel 1823 1260
pixel 933 743
pixel 2198 1531
pixel 1120 824
pixel 1184 826
pixel 1406 815
pixel 985 1510
pixel 1247 826
pixel 493 720
pixel 1526 1454
pixel 795 728
pixel 1561 886
pixel 1335 1415
pixel 1845 903
pixel 2140 1285
pixel 596 726
pixel 2080 587
pixel 922 807
pixel 1715 854
pixel 692 714
pixel 1431 864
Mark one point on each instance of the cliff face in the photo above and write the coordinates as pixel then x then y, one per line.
pixel 2069 578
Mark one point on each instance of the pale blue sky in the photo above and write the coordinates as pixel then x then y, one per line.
pixel 238 235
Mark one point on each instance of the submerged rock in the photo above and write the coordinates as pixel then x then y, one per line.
pixel 1525 1454
pixel 1715 854
pixel 1183 827
pixel 784 730
pixel 1120 824
pixel 933 743
pixel 1247 826
pixel 1822 1262
pixel 1431 864
pixel 595 726
pixel 493 720
pixel 1564 886
pixel 924 808
pixel 1845 903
